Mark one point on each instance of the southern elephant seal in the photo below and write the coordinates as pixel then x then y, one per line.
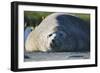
pixel 59 32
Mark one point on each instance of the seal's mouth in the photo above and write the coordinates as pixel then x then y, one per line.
pixel 55 44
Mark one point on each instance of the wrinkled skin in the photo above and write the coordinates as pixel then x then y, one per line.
pixel 59 32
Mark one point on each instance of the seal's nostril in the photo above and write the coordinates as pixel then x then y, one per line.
pixel 53 41
pixel 51 44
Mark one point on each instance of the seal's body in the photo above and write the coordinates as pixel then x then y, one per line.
pixel 59 32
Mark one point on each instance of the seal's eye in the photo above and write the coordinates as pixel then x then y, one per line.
pixel 52 35
pixel 49 35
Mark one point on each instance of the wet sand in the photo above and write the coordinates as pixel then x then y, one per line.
pixel 40 56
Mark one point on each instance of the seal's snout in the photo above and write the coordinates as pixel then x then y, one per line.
pixel 53 43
